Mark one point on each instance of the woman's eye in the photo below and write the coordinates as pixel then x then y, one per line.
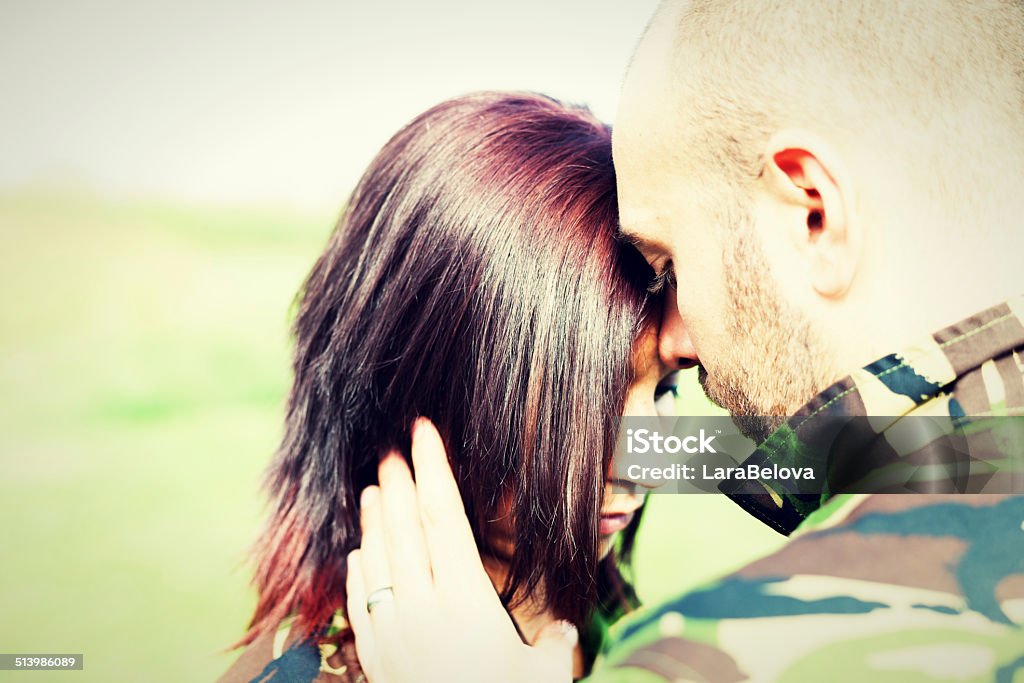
pixel 665 395
pixel 666 388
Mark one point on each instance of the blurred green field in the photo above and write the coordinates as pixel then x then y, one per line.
pixel 143 365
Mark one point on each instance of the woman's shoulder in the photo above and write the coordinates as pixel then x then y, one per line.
pixel 286 657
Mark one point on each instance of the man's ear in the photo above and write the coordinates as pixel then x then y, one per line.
pixel 802 172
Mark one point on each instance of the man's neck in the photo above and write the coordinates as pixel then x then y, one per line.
pixel 905 320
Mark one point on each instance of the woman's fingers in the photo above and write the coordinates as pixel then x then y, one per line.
pixel 358 618
pixel 417 535
pixel 454 556
pixel 376 574
pixel 403 536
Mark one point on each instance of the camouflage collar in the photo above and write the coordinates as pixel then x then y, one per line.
pixel 923 374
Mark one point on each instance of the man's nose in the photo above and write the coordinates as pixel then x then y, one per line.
pixel 674 345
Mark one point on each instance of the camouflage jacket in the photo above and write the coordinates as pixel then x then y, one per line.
pixel 873 587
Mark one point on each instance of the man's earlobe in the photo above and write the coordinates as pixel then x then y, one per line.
pixel 803 173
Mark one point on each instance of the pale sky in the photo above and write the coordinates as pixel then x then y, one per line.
pixel 281 101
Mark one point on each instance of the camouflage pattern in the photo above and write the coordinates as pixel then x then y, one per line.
pixel 286 657
pixel 871 587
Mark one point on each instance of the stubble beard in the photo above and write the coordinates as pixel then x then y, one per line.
pixel 775 362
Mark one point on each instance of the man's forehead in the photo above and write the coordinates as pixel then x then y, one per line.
pixel 645 129
pixel 648 81
pixel 652 67
pixel 642 117
pixel 645 201
pixel 644 135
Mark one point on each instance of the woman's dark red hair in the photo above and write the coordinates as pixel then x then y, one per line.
pixel 474 278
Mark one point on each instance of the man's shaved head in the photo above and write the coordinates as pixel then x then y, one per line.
pixel 829 179
pixel 741 70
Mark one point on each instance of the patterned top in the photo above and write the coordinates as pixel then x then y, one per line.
pixel 873 587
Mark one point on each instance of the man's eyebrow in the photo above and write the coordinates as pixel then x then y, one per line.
pixel 642 244
pixel 634 240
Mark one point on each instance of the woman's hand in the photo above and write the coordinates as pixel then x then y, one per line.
pixel 442 619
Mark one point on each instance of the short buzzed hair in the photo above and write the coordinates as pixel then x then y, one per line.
pixel 876 73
